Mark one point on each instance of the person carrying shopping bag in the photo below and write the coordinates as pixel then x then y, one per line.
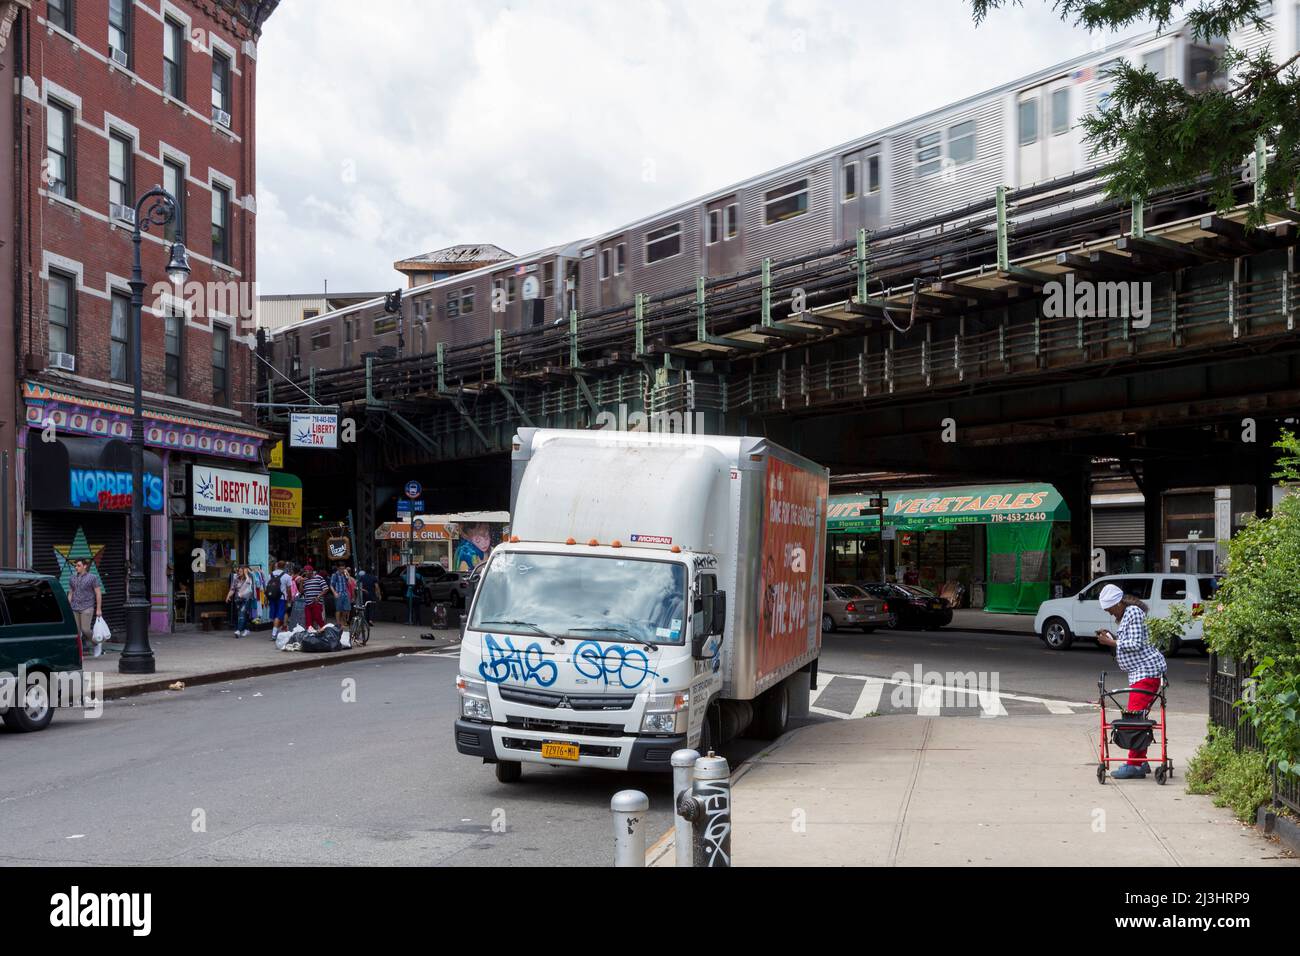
pixel 244 596
pixel 1144 665
pixel 86 596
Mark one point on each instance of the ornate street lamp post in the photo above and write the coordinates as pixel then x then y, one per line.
pixel 157 207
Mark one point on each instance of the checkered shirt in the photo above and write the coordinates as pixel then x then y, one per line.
pixel 1133 650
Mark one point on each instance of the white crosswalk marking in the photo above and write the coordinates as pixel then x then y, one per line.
pixel 991 704
pixel 1057 707
pixel 931 702
pixel 926 699
pixel 869 699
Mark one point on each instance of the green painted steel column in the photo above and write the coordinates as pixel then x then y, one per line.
pixel 701 315
pixel 1003 260
pixel 640 324
pixel 1261 166
pixel 1138 227
pixel 573 339
pixel 496 346
pixel 767 291
pixel 862 265
pixel 442 366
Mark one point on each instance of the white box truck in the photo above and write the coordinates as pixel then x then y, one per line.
pixel 657 591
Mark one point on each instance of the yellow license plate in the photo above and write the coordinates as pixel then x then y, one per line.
pixel 560 751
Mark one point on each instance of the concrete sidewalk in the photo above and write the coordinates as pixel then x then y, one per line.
pixel 974 619
pixel 972 791
pixel 204 658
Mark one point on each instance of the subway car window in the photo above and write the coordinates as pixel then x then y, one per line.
pixel 620 258
pixel 467 300
pixel 873 174
pixel 961 142
pixel 850 186
pixel 663 243
pixel 1029 121
pixel 785 202
pixel 730 217
pixel 1060 112
pixel 715 226
pixel 928 152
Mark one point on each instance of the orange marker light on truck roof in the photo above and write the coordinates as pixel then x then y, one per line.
pixel 676 549
pixel 514 539
pixel 616 543
pixel 569 541
pixel 593 542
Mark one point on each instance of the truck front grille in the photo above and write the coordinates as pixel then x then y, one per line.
pixel 566 727
pixel 543 698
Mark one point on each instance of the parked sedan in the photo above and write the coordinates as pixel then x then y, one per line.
pixel 439 585
pixel 911 607
pixel 846 605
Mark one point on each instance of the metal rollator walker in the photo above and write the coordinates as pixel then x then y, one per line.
pixel 1133 729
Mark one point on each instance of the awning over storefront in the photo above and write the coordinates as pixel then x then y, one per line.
pixel 74 473
pixel 401 531
pixel 934 509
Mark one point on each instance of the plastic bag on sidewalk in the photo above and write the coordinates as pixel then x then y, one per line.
pixel 100 633
pixel 345 639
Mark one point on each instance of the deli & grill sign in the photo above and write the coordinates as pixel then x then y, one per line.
pixel 313 430
pixel 222 493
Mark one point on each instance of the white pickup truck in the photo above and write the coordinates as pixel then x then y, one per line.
pixel 658 591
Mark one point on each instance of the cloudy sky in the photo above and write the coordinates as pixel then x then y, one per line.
pixel 395 127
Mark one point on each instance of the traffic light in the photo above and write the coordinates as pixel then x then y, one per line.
pixel 393 301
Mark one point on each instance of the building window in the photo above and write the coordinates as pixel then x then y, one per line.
pixel 453 304
pixel 220 81
pixel 173 333
pixel 310 314
pixel 730 221
pixel 661 244
pixel 174 183
pixel 1060 111
pixel 850 184
pixel 715 226
pixel 220 365
pixel 548 279
pixel 220 223
pixel 620 258
pixel 604 263
pixel 961 142
pixel 63 313
pixel 929 152
pixel 58 150
pixel 785 202
pixel 119 28
pixel 120 358
pixel 173 59
pixel 120 156
pixel 59 14
pixel 873 174
pixel 1029 121
pixel 467 300
pixel 384 324
pixel 320 339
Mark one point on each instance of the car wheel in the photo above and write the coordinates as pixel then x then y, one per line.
pixel 509 771
pixel 893 622
pixel 828 624
pixel 1056 634
pixel 34 712
pixel 773 712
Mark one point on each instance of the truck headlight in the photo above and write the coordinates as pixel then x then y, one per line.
pixel 474 703
pixel 666 714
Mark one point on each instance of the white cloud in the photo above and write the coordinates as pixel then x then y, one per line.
pixel 531 123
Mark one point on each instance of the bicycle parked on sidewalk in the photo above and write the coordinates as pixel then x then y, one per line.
pixel 359 627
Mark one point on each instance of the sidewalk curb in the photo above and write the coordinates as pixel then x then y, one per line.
pixel 1274 825
pixel 299 663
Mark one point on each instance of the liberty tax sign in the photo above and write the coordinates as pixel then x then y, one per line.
pixel 221 493
pixel 313 430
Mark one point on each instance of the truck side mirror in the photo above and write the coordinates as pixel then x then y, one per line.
pixel 719 613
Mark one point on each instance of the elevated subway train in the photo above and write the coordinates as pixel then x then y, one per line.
pixel 1018 134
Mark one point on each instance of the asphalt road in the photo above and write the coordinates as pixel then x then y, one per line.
pixel 280 769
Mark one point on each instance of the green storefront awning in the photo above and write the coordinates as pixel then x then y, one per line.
pixel 934 509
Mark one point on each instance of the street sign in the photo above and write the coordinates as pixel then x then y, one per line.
pixel 408 506
pixel 313 430
pixel 413 489
pixel 890 533
pixel 880 502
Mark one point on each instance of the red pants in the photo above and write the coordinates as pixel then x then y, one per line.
pixel 314 616
pixel 1139 699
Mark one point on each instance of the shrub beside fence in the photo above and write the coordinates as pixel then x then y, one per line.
pixel 1227 685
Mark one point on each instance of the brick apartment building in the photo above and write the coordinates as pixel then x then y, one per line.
pixel 102 100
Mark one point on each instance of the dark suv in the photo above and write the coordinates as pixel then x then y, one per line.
pixel 38 635
pixel 440 585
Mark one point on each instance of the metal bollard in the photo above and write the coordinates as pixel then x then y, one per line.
pixel 628 809
pixel 708 807
pixel 683 762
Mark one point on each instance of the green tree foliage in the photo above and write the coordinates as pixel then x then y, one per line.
pixel 1166 135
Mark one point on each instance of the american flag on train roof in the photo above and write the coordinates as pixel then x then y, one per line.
pixel 1083 75
pixel 519 270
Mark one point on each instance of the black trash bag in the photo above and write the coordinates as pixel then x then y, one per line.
pixel 326 639
pixel 1132 733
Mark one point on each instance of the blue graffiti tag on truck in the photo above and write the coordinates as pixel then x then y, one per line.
pixel 521 664
pixel 629 666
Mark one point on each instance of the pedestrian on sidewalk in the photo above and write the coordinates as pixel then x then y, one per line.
pixel 296 604
pixel 314 588
pixel 1144 665
pixel 244 596
pixel 276 597
pixel 342 592
pixel 367 590
pixel 87 599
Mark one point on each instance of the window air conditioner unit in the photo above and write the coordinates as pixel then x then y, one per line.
pixel 63 360
pixel 178 486
pixel 120 57
pixel 121 212
pixel 221 117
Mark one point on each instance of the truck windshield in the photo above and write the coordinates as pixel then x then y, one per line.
pixel 588 598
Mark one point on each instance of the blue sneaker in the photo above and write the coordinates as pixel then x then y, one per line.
pixel 1128 772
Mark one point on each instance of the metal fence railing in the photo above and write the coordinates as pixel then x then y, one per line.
pixel 1228 678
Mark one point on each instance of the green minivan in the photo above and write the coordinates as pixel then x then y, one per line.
pixel 38 635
